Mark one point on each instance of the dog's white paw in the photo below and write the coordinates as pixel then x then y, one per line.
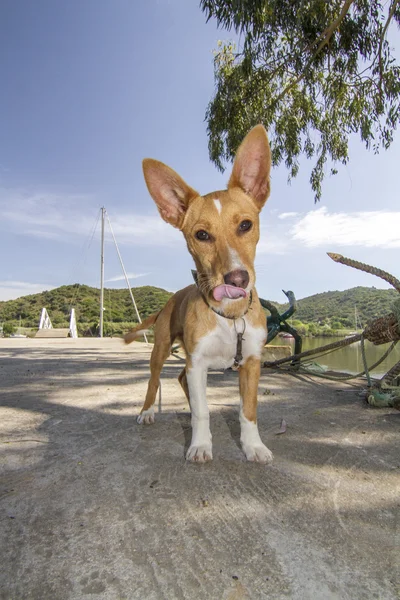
pixel 146 417
pixel 201 453
pixel 258 453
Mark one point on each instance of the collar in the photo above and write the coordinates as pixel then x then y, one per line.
pixel 221 314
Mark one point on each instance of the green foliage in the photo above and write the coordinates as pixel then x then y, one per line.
pixel 312 329
pixel 86 301
pixel 9 328
pixel 312 72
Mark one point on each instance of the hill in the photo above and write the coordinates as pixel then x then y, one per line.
pixel 339 307
pixel 58 302
pixel 335 309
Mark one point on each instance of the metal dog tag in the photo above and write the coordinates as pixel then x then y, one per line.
pixel 238 355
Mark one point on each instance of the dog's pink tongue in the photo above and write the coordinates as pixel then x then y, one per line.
pixel 228 291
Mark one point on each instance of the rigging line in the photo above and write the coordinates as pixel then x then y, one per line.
pixel 86 242
pixel 82 256
pixel 125 274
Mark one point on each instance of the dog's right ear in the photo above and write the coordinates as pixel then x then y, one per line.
pixel 168 190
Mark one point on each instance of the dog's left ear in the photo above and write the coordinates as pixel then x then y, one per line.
pixel 252 166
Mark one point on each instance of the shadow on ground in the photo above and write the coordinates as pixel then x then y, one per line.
pixel 95 505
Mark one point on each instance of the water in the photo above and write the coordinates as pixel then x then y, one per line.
pixel 347 359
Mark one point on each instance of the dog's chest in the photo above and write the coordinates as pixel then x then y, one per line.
pixel 218 348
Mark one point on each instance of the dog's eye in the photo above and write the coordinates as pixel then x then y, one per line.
pixel 202 235
pixel 245 226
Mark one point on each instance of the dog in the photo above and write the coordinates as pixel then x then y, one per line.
pixel 218 320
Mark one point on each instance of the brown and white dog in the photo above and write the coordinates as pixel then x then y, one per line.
pixel 219 321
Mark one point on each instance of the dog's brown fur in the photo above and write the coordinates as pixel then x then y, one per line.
pixel 188 315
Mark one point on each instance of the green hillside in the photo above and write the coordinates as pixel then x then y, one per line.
pixel 118 315
pixel 333 309
pixel 340 307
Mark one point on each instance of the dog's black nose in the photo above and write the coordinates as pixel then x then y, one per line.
pixel 238 278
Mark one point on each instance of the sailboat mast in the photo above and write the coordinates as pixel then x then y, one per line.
pixel 103 211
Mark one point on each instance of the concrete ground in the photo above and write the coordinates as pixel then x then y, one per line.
pixel 95 506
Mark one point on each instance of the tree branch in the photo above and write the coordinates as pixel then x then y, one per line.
pixel 324 40
pixel 382 39
pixel 327 34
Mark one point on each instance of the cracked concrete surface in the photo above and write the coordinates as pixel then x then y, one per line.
pixel 95 506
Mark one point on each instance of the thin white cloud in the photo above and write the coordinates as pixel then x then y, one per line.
pixel 287 215
pixel 374 229
pixel 144 230
pixel 129 275
pixel 68 216
pixel 44 214
pixel 10 290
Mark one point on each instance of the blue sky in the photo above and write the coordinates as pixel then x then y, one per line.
pixel 91 88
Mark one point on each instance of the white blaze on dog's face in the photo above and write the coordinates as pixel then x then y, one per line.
pixel 222 228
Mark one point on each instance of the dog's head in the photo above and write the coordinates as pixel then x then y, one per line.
pixel 222 228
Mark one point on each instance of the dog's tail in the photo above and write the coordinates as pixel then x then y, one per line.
pixel 141 328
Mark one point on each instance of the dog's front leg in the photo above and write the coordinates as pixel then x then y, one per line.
pixel 254 449
pixel 200 448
